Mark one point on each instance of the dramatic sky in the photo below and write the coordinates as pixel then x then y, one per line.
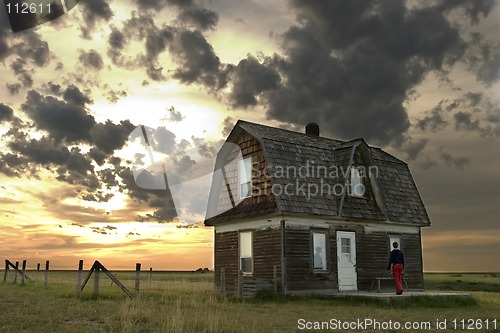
pixel 420 79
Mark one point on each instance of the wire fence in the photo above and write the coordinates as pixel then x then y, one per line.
pixel 106 280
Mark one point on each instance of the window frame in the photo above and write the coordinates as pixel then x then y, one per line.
pixel 325 252
pixel 391 240
pixel 240 257
pixel 248 174
pixel 359 181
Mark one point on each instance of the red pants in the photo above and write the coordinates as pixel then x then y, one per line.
pixel 397 272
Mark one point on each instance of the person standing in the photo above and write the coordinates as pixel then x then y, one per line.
pixel 397 261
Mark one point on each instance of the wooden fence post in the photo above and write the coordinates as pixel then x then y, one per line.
pixel 17 270
pixel 23 273
pixel 223 281
pixel 47 263
pixel 6 271
pixel 137 278
pixel 79 276
pixel 150 274
pixel 96 281
pixel 240 283
pixel 37 271
pixel 275 279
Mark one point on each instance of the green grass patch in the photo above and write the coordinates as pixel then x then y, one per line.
pixel 463 282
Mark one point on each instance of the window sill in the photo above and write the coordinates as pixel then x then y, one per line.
pixel 320 271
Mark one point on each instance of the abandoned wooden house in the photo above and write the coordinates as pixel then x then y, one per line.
pixel 305 212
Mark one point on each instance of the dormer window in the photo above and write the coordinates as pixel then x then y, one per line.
pixel 356 187
pixel 245 178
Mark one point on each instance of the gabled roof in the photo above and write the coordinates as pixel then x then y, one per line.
pixel 396 198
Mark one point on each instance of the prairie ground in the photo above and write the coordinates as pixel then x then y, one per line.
pixel 187 302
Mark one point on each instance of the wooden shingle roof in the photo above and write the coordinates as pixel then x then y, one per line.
pixel 395 195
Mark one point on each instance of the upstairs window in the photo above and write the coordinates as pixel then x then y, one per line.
pixel 356 187
pixel 245 178
pixel 246 252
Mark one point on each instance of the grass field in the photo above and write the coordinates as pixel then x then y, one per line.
pixel 187 302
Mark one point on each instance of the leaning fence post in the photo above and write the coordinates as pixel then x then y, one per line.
pixel 46 274
pixel 23 273
pixel 275 279
pixel 137 278
pixel 6 271
pixel 79 276
pixel 17 270
pixel 223 281
pixel 96 280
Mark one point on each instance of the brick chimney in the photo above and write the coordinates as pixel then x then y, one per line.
pixel 312 129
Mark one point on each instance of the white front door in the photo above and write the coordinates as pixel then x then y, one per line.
pixel 346 260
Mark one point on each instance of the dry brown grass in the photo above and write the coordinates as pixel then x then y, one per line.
pixel 188 303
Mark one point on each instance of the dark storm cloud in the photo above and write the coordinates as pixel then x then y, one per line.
pixel 160 4
pixel 44 151
pixel 116 40
pixel 94 11
pixel 6 113
pixel 151 4
pixel 12 164
pixel 227 126
pixel 199 17
pixel 414 148
pixel 13 88
pixel 114 96
pixel 34 48
pixel 61 119
pixel 21 72
pixel 4 32
pixel 251 78
pixel 483 58
pixel 161 200
pixel 181 3
pixel 109 137
pixel 54 88
pixel 157 41
pixel 489 71
pixel 351 65
pixel 73 95
pixel 91 59
pixel 142 28
pixel 434 120
pixel 472 112
pixel 27 156
pixel 196 57
pixel 464 122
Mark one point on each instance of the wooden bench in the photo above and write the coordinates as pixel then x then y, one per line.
pixel 378 279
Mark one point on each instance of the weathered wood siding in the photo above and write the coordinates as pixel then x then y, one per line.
pixel 266 255
pixel 298 259
pixel 261 181
pixel 372 251
pixel 373 254
pixel 226 256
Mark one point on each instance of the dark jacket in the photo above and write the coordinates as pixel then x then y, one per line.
pixel 396 257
